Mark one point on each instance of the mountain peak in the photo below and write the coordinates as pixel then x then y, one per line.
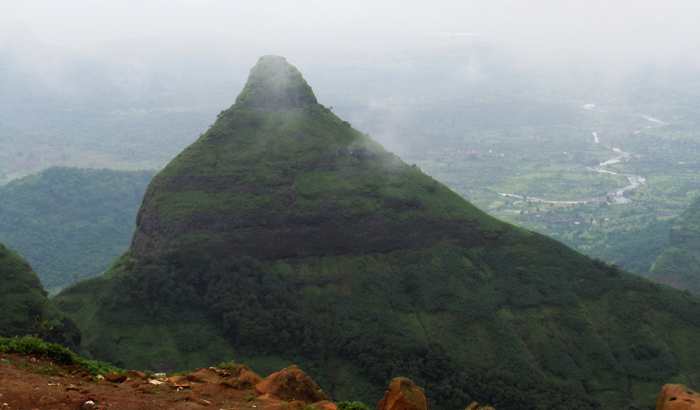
pixel 275 84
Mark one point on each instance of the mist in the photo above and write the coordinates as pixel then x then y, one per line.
pixel 143 79
pixel 607 37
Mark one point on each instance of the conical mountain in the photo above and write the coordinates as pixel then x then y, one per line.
pixel 280 176
pixel 283 236
pixel 25 308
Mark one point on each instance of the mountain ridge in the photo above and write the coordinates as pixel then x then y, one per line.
pixel 369 269
pixel 289 167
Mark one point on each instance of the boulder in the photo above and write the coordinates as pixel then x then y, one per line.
pixel 296 404
pixel 292 384
pixel 678 397
pixel 325 405
pixel 136 375
pixel 245 375
pixel 270 402
pixel 146 389
pixel 179 381
pixel 243 379
pixel 204 376
pixel 115 377
pixel 403 394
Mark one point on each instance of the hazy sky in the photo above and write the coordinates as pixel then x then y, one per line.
pixel 600 31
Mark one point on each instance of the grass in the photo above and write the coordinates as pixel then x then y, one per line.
pixel 30 345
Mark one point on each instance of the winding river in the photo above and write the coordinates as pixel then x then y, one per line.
pixel 616 196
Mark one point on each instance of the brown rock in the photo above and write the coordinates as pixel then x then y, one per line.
pixel 678 397
pixel 246 379
pixel 146 388
pixel 204 376
pixel 325 405
pixel 245 375
pixel 179 381
pixel 292 384
pixel 296 404
pixel 403 394
pixel 115 377
pixel 473 406
pixel 136 375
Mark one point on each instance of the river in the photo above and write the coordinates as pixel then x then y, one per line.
pixel 617 196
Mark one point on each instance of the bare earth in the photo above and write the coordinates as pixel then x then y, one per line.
pixel 29 382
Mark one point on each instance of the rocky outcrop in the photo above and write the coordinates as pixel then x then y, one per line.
pixel 403 394
pixel 678 397
pixel 244 378
pixel 292 384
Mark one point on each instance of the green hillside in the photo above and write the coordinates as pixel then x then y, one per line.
pixel 23 300
pixel 71 223
pixel 285 236
pixel 679 264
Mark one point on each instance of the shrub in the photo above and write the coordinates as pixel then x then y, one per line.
pixel 352 405
pixel 34 345
pixel 231 364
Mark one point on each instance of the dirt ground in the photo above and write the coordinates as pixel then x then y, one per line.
pixel 29 382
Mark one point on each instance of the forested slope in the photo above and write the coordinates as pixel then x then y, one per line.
pixel 285 236
pixel 679 264
pixel 71 223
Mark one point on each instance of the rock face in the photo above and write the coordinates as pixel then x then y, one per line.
pixel 678 397
pixel 280 176
pixel 292 384
pixel 403 394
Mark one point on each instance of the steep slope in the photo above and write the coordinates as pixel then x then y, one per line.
pixel 25 307
pixel 71 223
pixel 284 236
pixel 280 176
pixel 679 264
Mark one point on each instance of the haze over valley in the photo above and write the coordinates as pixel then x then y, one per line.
pixel 493 184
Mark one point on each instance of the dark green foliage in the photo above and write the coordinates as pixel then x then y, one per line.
pixel 285 236
pixel 25 307
pixel 398 311
pixel 71 223
pixel 35 346
pixel 352 405
pixel 679 264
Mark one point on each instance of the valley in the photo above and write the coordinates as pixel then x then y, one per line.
pixel 410 229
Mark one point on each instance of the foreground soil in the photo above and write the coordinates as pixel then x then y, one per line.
pixel 29 382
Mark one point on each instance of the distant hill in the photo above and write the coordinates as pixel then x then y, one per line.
pixel 283 235
pixel 25 307
pixel 679 264
pixel 71 223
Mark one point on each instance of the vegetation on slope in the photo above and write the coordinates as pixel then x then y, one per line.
pixel 679 264
pixel 32 345
pixel 281 176
pixel 284 236
pixel 25 307
pixel 71 223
